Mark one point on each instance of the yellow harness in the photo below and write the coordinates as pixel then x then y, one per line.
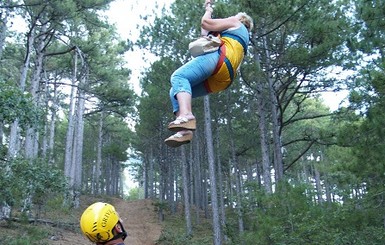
pixel 231 52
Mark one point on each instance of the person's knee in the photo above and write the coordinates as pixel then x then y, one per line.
pixel 176 77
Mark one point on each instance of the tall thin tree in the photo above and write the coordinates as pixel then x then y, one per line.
pixel 217 233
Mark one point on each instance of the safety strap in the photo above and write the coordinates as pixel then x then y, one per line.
pixel 230 69
pixel 222 57
pixel 238 39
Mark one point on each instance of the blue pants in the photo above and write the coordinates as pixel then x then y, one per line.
pixel 191 76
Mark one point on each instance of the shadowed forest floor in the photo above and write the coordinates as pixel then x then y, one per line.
pixel 139 218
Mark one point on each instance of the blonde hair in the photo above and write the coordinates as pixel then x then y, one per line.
pixel 246 20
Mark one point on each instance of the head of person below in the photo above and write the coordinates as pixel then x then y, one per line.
pixel 101 224
pixel 207 73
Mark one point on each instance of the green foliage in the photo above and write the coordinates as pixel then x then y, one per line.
pixel 290 217
pixel 120 135
pixel 154 109
pixel 159 205
pixel 371 33
pixel 307 124
pixel 174 232
pixel 134 193
pixel 169 34
pixel 31 235
pixel 16 104
pixel 20 179
pixel 116 139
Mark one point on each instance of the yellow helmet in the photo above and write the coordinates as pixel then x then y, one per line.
pixel 98 221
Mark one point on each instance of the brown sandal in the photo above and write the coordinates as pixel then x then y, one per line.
pixel 182 123
pixel 179 139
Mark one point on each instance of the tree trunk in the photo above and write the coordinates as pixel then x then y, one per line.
pixel 31 140
pixel 237 179
pixel 251 169
pixel 275 118
pixel 3 25
pixel 327 191
pixel 1 133
pixel 186 192
pixel 237 170
pixel 145 183
pixel 173 178
pixel 14 143
pixel 108 174
pixel 197 179
pixel 220 185
pixel 264 136
pixel 51 142
pixel 317 178
pixel 204 198
pixel 151 179
pixel 46 123
pixel 191 174
pixel 116 170
pixel 217 236
pixel 263 128
pixel 230 184
pixel 78 144
pixel 68 158
pixel 98 163
pixel 161 194
pixel 176 189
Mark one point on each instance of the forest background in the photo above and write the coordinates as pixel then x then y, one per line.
pixel 270 163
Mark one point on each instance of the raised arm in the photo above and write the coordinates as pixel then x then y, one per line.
pixel 205 32
pixel 209 24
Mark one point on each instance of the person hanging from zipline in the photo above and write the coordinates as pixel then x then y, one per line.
pixel 208 73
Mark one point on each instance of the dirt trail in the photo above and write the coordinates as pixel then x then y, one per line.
pixel 140 222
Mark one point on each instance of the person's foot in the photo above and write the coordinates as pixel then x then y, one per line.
pixel 179 138
pixel 186 122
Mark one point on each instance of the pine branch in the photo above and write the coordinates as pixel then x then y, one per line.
pixel 307 118
pixel 284 21
pixel 300 155
pixel 62 52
